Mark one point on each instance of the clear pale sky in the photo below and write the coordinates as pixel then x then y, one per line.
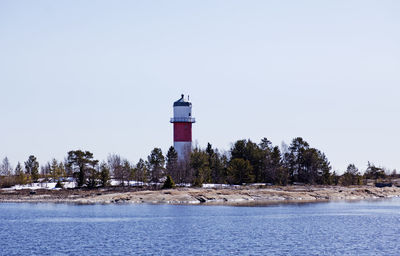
pixel 103 75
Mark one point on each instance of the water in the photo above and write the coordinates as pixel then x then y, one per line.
pixel 360 228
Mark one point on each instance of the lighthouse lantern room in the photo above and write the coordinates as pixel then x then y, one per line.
pixel 182 121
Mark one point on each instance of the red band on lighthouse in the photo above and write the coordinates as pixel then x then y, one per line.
pixel 182 131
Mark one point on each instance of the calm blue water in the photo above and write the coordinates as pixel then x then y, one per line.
pixel 361 228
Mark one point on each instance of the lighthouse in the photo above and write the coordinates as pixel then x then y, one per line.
pixel 182 121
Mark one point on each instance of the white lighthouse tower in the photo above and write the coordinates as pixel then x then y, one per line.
pixel 182 121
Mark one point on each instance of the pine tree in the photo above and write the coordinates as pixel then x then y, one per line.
pixel 240 171
pixel 80 162
pixel 200 167
pixel 172 164
pixel 156 162
pixel 141 170
pixel 104 175
pixel 32 168
pixel 92 176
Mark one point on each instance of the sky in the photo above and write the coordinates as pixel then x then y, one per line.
pixel 103 75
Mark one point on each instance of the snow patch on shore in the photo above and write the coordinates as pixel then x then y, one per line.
pixel 44 185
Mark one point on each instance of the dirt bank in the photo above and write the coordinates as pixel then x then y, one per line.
pixel 226 196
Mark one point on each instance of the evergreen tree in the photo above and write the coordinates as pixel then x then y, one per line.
pixel 210 153
pixel 248 150
pixel 104 175
pixel 141 170
pixel 200 167
pixel 126 172
pixel 268 169
pixel 92 175
pixel 351 176
pixel 305 164
pixel 335 178
pixel 295 158
pixel 324 170
pixel 172 166
pixel 240 171
pixel 32 168
pixel 272 166
pixel 81 162
pixel 156 162
pixel 374 172
pixel 218 167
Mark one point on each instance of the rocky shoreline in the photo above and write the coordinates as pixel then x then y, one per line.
pixel 196 196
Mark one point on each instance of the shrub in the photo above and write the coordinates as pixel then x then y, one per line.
pixel 59 184
pixel 169 183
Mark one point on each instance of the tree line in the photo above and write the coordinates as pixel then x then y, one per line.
pixel 245 162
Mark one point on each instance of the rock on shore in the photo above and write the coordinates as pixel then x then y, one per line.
pixel 226 196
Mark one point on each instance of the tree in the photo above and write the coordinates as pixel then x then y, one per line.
pixel 5 168
pixel 80 163
pixel 248 150
pixel 169 183
pixel 267 172
pixel 351 176
pixel 305 164
pixel 121 168
pixel 126 172
pixel 115 163
pixel 272 169
pixel 104 175
pixel 240 171
pixel 314 167
pixel 219 165
pixel 32 168
pixel 45 172
pixel 59 184
pixel 5 172
pixel 374 172
pixel 172 166
pixel 69 172
pixel 20 175
pixel 210 152
pixel 295 158
pixel 141 170
pixel 335 178
pixel 266 144
pixel 92 175
pixel 57 170
pixel 200 165
pixel 324 176
pixel 156 162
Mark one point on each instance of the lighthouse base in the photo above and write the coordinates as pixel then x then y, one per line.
pixel 183 148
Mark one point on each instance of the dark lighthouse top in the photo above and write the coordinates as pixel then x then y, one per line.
pixel 182 103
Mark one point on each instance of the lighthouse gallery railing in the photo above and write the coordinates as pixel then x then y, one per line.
pixel 183 120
